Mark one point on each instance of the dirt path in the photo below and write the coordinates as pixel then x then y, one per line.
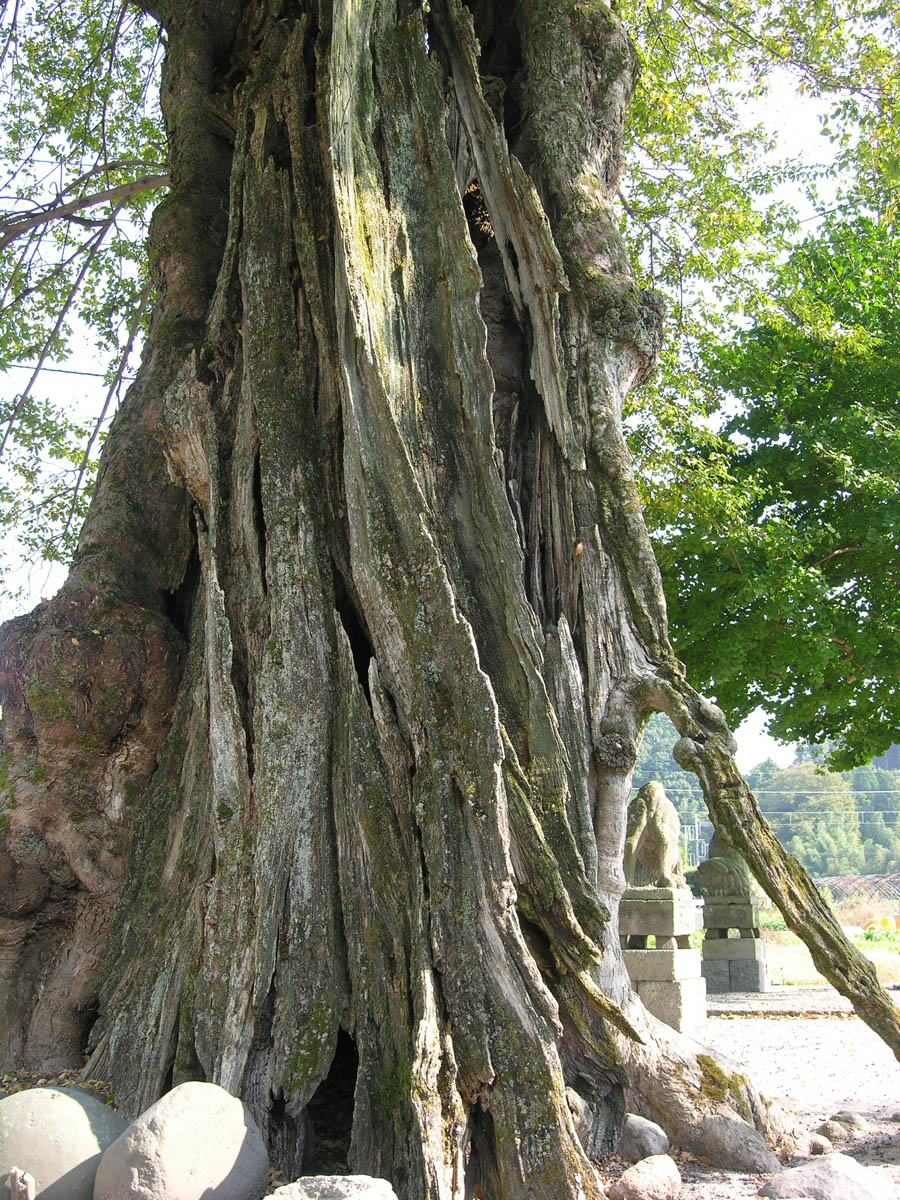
pixel 815 1065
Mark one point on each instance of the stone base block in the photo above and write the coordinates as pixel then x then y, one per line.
pixel 717 976
pixel 746 976
pixel 735 965
pixel 721 913
pixel 662 966
pixel 657 911
pixel 681 1004
pixel 734 948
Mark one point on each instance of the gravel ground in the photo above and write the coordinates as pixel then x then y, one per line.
pixel 814 1065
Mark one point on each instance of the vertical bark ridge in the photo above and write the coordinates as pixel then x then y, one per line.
pixel 413 566
pixel 267 951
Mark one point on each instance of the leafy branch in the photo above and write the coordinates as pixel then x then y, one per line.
pixel 14 226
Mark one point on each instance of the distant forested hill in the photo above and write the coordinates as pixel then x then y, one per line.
pixel 835 823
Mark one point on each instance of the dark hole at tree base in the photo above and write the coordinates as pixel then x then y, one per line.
pixel 330 1113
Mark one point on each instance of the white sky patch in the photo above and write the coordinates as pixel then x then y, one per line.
pixel 796 119
pixel 755 745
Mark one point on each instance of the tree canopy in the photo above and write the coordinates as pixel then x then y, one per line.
pixel 784 593
pixel 766 443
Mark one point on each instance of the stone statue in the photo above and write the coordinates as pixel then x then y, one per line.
pixel 724 872
pixel 652 855
pixel 730 964
pixel 657 915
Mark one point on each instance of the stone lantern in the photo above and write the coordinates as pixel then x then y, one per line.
pixel 730 964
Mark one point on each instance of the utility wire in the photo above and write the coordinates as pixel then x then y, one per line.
pixel 796 792
pixel 61 371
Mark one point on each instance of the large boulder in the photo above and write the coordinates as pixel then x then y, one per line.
pixel 641 1138
pixel 55 1135
pixel 335 1187
pixel 731 1145
pixel 837 1177
pixel 196 1141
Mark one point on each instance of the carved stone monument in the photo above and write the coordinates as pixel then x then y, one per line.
pixel 658 907
pixel 730 964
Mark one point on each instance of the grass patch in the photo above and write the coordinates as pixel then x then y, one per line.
pixel 790 962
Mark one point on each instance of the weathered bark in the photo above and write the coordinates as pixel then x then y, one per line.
pixel 398 621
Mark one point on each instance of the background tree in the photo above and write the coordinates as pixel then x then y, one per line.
pixel 711 201
pixel 708 219
pixel 316 769
pixel 816 819
pixel 83 154
pixel 835 823
pixel 788 599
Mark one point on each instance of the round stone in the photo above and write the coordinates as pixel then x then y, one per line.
pixel 57 1136
pixel 197 1141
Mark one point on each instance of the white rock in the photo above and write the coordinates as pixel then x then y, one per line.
pixel 21 1185
pixel 654 1178
pixel 335 1187
pixel 835 1131
pixel 837 1177
pixel 196 1141
pixel 55 1134
pixel 641 1138
pixel 852 1120
pixel 731 1145
pixel 820 1144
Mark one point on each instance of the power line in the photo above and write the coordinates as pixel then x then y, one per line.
pixel 825 812
pixel 796 792
pixel 61 371
pixel 830 792
pixel 861 815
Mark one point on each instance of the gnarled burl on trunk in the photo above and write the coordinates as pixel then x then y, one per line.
pixel 316 770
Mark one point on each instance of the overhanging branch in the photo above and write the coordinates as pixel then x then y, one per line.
pixel 706 749
pixel 14 226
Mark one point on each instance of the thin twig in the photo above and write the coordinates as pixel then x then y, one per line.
pixel 114 387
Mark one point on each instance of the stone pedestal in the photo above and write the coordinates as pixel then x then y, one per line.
pixel 722 913
pixel 733 964
pixel 668 914
pixel 667 977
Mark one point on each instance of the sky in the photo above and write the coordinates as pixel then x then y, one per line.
pixel 755 745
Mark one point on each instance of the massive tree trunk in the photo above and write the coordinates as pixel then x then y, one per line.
pixel 317 767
